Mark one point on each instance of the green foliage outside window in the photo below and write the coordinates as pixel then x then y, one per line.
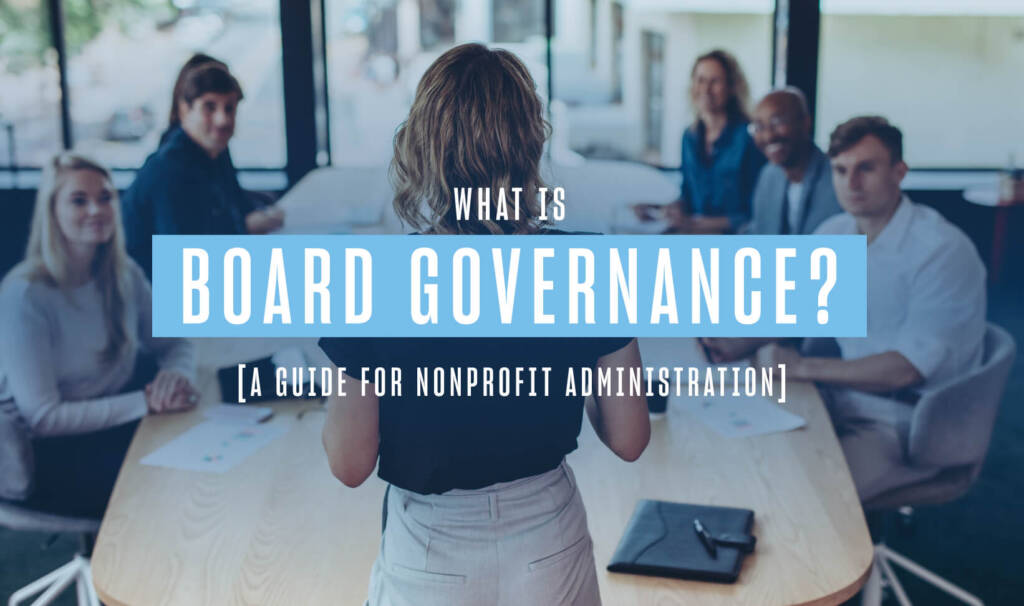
pixel 25 25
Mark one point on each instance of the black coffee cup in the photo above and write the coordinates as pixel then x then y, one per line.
pixel 656 403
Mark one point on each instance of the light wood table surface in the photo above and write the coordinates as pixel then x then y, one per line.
pixel 279 529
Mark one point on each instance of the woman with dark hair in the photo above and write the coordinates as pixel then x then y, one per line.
pixel 481 507
pixel 174 119
pixel 189 185
pixel 720 162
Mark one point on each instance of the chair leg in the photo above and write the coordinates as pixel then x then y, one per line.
pixel 65 574
pixel 81 591
pixel 58 588
pixel 871 594
pixel 77 571
pixel 891 580
pixel 889 556
pixel 92 598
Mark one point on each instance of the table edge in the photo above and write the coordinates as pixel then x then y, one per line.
pixel 845 593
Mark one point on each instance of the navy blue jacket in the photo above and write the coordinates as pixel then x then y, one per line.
pixel 181 190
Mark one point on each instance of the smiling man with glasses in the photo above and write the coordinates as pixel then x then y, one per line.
pixel 794 191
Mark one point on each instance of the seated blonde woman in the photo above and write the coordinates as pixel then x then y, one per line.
pixel 75 315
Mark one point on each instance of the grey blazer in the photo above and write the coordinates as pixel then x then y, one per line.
pixel 818 199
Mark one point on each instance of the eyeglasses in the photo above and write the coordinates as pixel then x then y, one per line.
pixel 774 125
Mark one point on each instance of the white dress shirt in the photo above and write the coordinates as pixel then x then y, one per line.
pixel 794 193
pixel 925 296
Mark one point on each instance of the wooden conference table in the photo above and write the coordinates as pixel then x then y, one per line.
pixel 279 529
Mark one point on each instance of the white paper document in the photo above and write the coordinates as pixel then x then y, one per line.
pixel 740 417
pixel 238 413
pixel 672 352
pixel 214 446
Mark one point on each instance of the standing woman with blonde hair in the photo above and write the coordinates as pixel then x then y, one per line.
pixel 481 506
pixel 75 314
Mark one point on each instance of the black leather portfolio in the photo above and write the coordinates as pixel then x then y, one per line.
pixel 661 540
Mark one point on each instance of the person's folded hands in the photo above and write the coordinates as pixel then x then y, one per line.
pixel 728 349
pixel 170 391
pixel 772 355
pixel 264 220
pixel 677 219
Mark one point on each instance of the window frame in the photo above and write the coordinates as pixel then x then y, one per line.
pixel 58 41
pixel 795 55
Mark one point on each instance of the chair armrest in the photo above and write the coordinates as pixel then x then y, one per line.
pixel 952 424
pixel 17 463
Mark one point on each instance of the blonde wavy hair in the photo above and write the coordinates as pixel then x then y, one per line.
pixel 47 254
pixel 739 90
pixel 476 121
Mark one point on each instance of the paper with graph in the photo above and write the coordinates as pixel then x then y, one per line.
pixel 214 446
pixel 740 417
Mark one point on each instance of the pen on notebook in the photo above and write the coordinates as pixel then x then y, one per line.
pixel 705 538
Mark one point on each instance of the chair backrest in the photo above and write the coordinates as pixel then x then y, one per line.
pixel 16 482
pixel 18 206
pixel 952 425
pixel 16 461
pixel 23 518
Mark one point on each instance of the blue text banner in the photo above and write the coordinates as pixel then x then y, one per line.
pixel 508 286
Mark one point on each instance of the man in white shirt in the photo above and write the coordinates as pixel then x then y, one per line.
pixel 925 309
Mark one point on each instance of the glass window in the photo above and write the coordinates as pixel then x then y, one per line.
pixel 377 50
pixel 517 20
pixel 654 80
pixel 30 101
pixel 622 69
pixel 437 23
pixel 125 54
pixel 947 73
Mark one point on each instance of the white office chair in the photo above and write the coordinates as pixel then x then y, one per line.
pixel 77 571
pixel 951 427
pixel 16 484
pixel 16 471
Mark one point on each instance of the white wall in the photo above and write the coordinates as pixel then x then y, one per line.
pixel 747 36
pixel 954 85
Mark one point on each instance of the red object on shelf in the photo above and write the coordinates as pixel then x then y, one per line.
pixel 1002 198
